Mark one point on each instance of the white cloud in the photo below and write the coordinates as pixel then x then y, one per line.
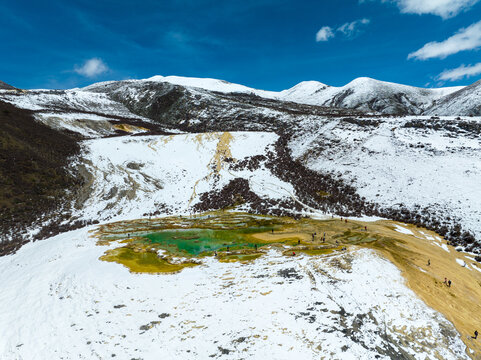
pixel 465 39
pixel 324 34
pixel 460 72
pixel 92 67
pixel 443 8
pixel 349 29
pixel 352 28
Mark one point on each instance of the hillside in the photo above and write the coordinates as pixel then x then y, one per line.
pixel 364 94
pixel 5 86
pixel 35 180
pixel 336 304
pixel 465 101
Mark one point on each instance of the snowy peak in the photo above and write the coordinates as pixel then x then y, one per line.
pixel 213 85
pixel 367 82
pixel 303 91
pixel 203 83
pixel 370 86
pixel 209 84
pixel 377 86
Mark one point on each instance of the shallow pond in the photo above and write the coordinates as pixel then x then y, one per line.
pixel 197 241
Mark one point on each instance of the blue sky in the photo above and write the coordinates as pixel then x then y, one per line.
pixel 265 44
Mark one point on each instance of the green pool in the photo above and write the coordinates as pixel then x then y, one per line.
pixel 197 241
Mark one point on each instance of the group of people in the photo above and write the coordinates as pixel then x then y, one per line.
pixel 448 283
pixel 314 235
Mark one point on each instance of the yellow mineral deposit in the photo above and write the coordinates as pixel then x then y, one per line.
pixel 130 128
pixel 221 153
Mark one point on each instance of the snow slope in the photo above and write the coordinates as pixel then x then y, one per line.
pixel 59 301
pixel 465 101
pixel 83 112
pixel 132 176
pixel 305 92
pixel 393 162
pixel 61 100
pixel 212 85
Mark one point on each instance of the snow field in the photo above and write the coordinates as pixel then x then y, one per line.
pixel 60 301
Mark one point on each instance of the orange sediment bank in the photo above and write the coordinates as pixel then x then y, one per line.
pixel 461 302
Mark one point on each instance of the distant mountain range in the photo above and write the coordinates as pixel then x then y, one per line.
pixel 369 95
pixel 465 101
pixel 362 94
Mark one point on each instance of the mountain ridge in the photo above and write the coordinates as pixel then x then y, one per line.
pixel 465 101
pixel 363 93
pixel 5 86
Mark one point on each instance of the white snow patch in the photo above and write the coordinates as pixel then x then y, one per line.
pixel 422 270
pixel 442 246
pixel 461 262
pixel 476 267
pixel 403 230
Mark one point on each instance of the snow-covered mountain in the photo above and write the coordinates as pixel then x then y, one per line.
pixel 364 94
pixel 369 95
pixel 465 101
